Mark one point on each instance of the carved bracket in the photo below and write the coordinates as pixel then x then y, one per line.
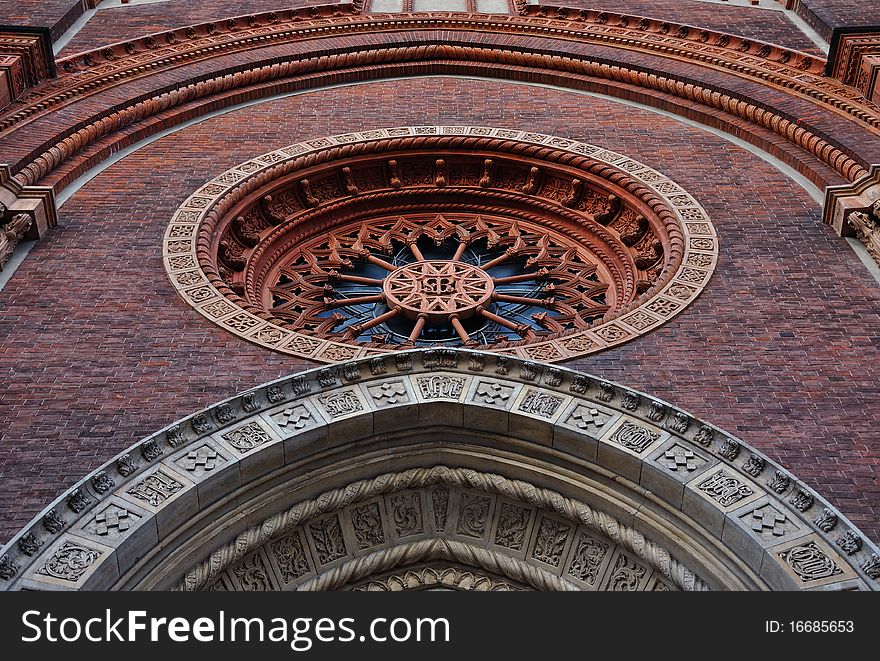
pixel 855 59
pixel 13 227
pixel 866 225
pixel 842 201
pixel 26 59
pixel 38 202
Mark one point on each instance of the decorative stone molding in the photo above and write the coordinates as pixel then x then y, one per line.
pixel 786 71
pixel 37 202
pixel 696 95
pixel 12 231
pixel 234 245
pixel 674 502
pixel 429 578
pixel 843 202
pixel 26 59
pixel 854 59
pixel 867 227
pixel 511 528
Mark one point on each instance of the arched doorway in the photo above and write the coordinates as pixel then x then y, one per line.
pixel 441 469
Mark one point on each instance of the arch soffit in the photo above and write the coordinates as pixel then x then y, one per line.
pixel 726 504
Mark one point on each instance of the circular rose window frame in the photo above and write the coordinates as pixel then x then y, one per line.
pixel 181 252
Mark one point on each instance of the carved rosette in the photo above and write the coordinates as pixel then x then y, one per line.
pixel 352 245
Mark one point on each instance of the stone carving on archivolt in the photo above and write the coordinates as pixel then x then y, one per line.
pixel 625 266
pixel 579 532
pixel 447 578
pixel 587 558
pixel 290 557
pixel 513 523
pixel 70 562
pixel 447 513
pixel 114 520
pixel 725 489
pixel 366 523
pixel 247 437
pixel 810 562
pixel 155 489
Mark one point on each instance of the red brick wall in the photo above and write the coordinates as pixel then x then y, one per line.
pixel 825 15
pixel 57 15
pixel 96 349
pixel 121 23
pixel 760 24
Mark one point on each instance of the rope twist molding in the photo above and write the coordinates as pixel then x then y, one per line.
pixel 517 490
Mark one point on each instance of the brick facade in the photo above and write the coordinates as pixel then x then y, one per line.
pixel 825 15
pixel 763 352
pixel 97 349
pixel 127 22
pixel 57 15
pixel 753 23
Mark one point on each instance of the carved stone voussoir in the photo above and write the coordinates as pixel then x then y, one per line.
pixel 70 564
pixel 449 514
pixel 805 563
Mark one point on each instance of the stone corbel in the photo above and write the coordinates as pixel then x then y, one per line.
pixel 26 59
pixel 38 202
pixel 13 228
pixel 859 196
pixel 854 59
pixel 866 225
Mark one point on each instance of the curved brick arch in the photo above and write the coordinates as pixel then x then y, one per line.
pixel 680 498
pixel 759 91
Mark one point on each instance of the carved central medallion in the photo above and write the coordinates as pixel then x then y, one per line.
pixel 438 291
pixel 358 244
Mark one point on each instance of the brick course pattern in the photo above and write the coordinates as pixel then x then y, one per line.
pixel 128 22
pixel 57 15
pixel 825 15
pixel 780 348
pixel 762 24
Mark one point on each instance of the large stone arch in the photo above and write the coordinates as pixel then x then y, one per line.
pixel 395 471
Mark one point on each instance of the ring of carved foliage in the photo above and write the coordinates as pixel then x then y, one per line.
pixel 652 492
pixel 527 244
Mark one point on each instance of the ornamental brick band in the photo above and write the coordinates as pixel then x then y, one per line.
pixel 537 246
pixel 403 471
pixel 697 73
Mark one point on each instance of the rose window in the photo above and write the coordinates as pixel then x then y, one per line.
pixel 351 245
pixel 440 278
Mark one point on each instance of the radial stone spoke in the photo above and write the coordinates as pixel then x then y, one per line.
pixel 357 279
pixel 357 300
pixel 417 329
pixel 357 329
pixel 462 333
pixel 524 300
pixel 498 260
pixel 522 277
pixel 380 262
pixel 520 329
